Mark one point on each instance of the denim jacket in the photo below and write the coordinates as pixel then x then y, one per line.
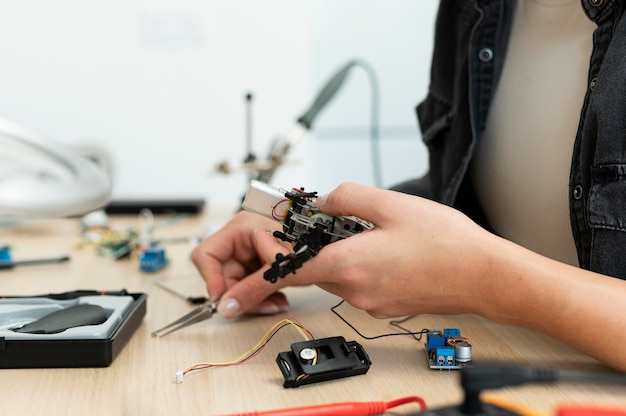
pixel 470 47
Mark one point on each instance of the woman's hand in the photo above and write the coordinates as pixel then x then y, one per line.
pixel 420 257
pixel 228 261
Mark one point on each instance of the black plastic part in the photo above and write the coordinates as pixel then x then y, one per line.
pixel 157 206
pixel 72 353
pixel 70 317
pixel 336 358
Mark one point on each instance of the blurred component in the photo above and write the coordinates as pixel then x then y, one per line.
pixel 157 206
pixel 152 260
pixel 476 380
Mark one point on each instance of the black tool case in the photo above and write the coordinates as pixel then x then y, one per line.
pixel 85 346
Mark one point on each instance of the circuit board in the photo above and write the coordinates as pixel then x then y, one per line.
pixel 447 349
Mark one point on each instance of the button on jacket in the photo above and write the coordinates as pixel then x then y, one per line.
pixel 470 47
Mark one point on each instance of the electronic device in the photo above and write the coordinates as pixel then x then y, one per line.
pixel 447 349
pixel 303 224
pixel 321 360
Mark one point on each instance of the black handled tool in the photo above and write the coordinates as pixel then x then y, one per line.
pixel 10 264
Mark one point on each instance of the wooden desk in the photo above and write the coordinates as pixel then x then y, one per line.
pixel 141 380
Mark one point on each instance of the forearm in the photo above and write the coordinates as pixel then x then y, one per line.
pixel 570 304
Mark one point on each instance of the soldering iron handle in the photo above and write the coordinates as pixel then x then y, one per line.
pixel 327 93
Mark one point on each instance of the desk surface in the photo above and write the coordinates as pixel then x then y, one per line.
pixel 141 380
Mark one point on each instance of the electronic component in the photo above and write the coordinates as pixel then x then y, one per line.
pixel 448 350
pixel 303 224
pixel 321 360
pixel 152 260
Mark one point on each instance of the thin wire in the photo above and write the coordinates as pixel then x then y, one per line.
pixel 254 351
pixel 420 333
pixel 397 324
pixel 275 214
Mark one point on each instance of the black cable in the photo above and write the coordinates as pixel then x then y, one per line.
pixel 334 310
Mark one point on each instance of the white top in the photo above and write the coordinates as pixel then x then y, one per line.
pixel 521 170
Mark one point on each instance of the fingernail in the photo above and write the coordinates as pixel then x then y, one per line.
pixel 269 309
pixel 228 309
pixel 283 308
pixel 270 232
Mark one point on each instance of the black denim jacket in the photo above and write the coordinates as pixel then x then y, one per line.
pixel 470 46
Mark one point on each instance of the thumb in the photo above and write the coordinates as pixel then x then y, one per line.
pixel 353 199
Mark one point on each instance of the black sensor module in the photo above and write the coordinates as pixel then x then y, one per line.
pixel 321 360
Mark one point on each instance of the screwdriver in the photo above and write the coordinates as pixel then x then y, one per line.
pixel 10 264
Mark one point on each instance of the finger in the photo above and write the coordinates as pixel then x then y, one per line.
pixel 210 268
pixel 267 246
pixel 274 303
pixel 353 199
pixel 248 295
pixel 223 256
pixel 254 294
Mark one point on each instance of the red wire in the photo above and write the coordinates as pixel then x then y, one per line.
pixel 340 409
pixel 405 400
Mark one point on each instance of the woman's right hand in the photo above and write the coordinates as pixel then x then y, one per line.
pixel 229 258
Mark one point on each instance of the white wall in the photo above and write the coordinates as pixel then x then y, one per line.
pixel 160 85
pixel 395 38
